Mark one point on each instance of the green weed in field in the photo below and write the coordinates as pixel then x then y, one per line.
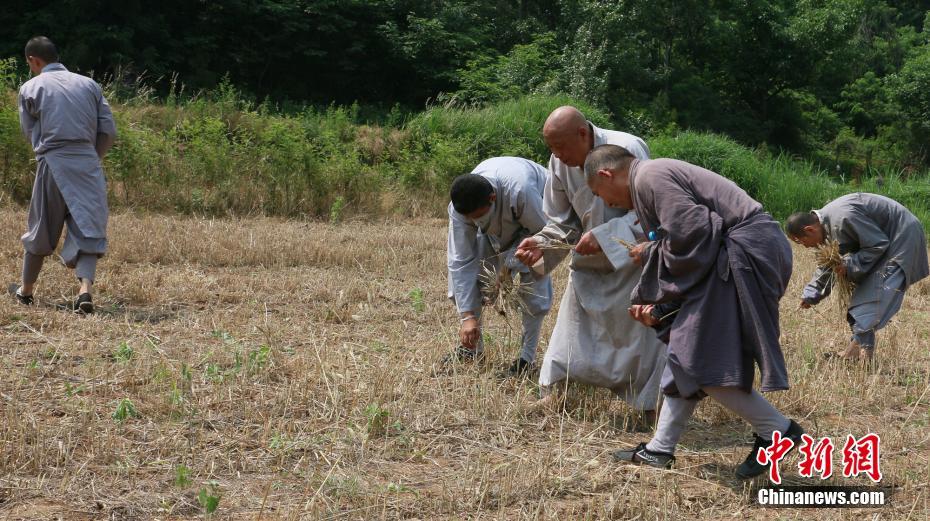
pixel 123 353
pixel 125 410
pixel 209 498
pixel 182 476
pixel 416 300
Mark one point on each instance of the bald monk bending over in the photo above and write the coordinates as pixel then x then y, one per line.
pixel 725 264
pixel 594 341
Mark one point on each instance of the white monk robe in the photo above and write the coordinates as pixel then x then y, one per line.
pixel 516 214
pixel 595 341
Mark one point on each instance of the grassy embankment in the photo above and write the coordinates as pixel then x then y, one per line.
pixel 218 154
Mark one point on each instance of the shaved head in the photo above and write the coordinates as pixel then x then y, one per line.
pixel 43 48
pixel 40 51
pixel 564 120
pixel 568 135
pixel 607 171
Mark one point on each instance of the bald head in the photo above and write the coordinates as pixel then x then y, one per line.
pixel 43 48
pixel 607 171
pixel 568 135
pixel 564 120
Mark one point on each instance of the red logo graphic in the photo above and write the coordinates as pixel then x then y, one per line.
pixel 773 454
pixel 861 456
pixel 817 457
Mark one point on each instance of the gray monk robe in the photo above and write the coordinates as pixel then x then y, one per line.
pixel 595 341
pixel 885 251
pixel 515 214
pixel 70 126
pixel 726 262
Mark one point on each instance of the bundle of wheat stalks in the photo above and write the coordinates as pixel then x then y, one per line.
pixel 829 257
pixel 557 245
pixel 502 290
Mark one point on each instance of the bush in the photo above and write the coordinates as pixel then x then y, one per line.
pixel 785 185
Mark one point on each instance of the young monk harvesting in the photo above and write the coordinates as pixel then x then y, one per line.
pixel 492 209
pixel 725 264
pixel 884 250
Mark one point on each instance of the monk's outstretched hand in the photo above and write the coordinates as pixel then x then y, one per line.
pixel 528 252
pixel 587 245
pixel 643 313
pixel 804 304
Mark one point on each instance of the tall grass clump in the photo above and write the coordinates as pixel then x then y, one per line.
pixel 218 152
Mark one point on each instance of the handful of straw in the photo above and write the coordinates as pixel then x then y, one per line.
pixel 502 292
pixel 828 257
pixel 556 245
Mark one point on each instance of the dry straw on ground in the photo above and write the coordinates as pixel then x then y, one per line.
pixel 284 367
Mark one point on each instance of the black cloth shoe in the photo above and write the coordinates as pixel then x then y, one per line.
pixel 751 468
pixel 640 454
pixel 26 300
pixel 519 367
pixel 84 304
pixel 459 355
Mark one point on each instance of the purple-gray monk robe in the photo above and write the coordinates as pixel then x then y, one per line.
pixel 726 262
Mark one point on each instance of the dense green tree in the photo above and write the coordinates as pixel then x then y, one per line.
pixel 809 76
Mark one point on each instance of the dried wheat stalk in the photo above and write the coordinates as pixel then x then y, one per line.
pixel 502 290
pixel 626 244
pixel 829 257
pixel 557 245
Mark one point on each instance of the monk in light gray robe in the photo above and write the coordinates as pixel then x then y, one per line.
pixel 724 264
pixel 493 208
pixel 71 127
pixel 884 249
pixel 594 341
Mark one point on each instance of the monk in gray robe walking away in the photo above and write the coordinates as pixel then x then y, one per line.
pixel 724 264
pixel 884 250
pixel 594 342
pixel 70 126
pixel 493 208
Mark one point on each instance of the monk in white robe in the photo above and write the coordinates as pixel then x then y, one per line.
pixel 70 126
pixel 595 341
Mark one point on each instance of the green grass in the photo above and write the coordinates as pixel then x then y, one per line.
pixel 218 154
pixel 783 184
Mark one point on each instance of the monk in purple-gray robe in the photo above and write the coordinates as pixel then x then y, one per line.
pixel 728 264
pixel 724 264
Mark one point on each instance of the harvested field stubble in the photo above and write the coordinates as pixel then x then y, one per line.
pixel 284 368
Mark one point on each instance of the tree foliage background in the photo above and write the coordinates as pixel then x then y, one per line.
pixel 837 81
